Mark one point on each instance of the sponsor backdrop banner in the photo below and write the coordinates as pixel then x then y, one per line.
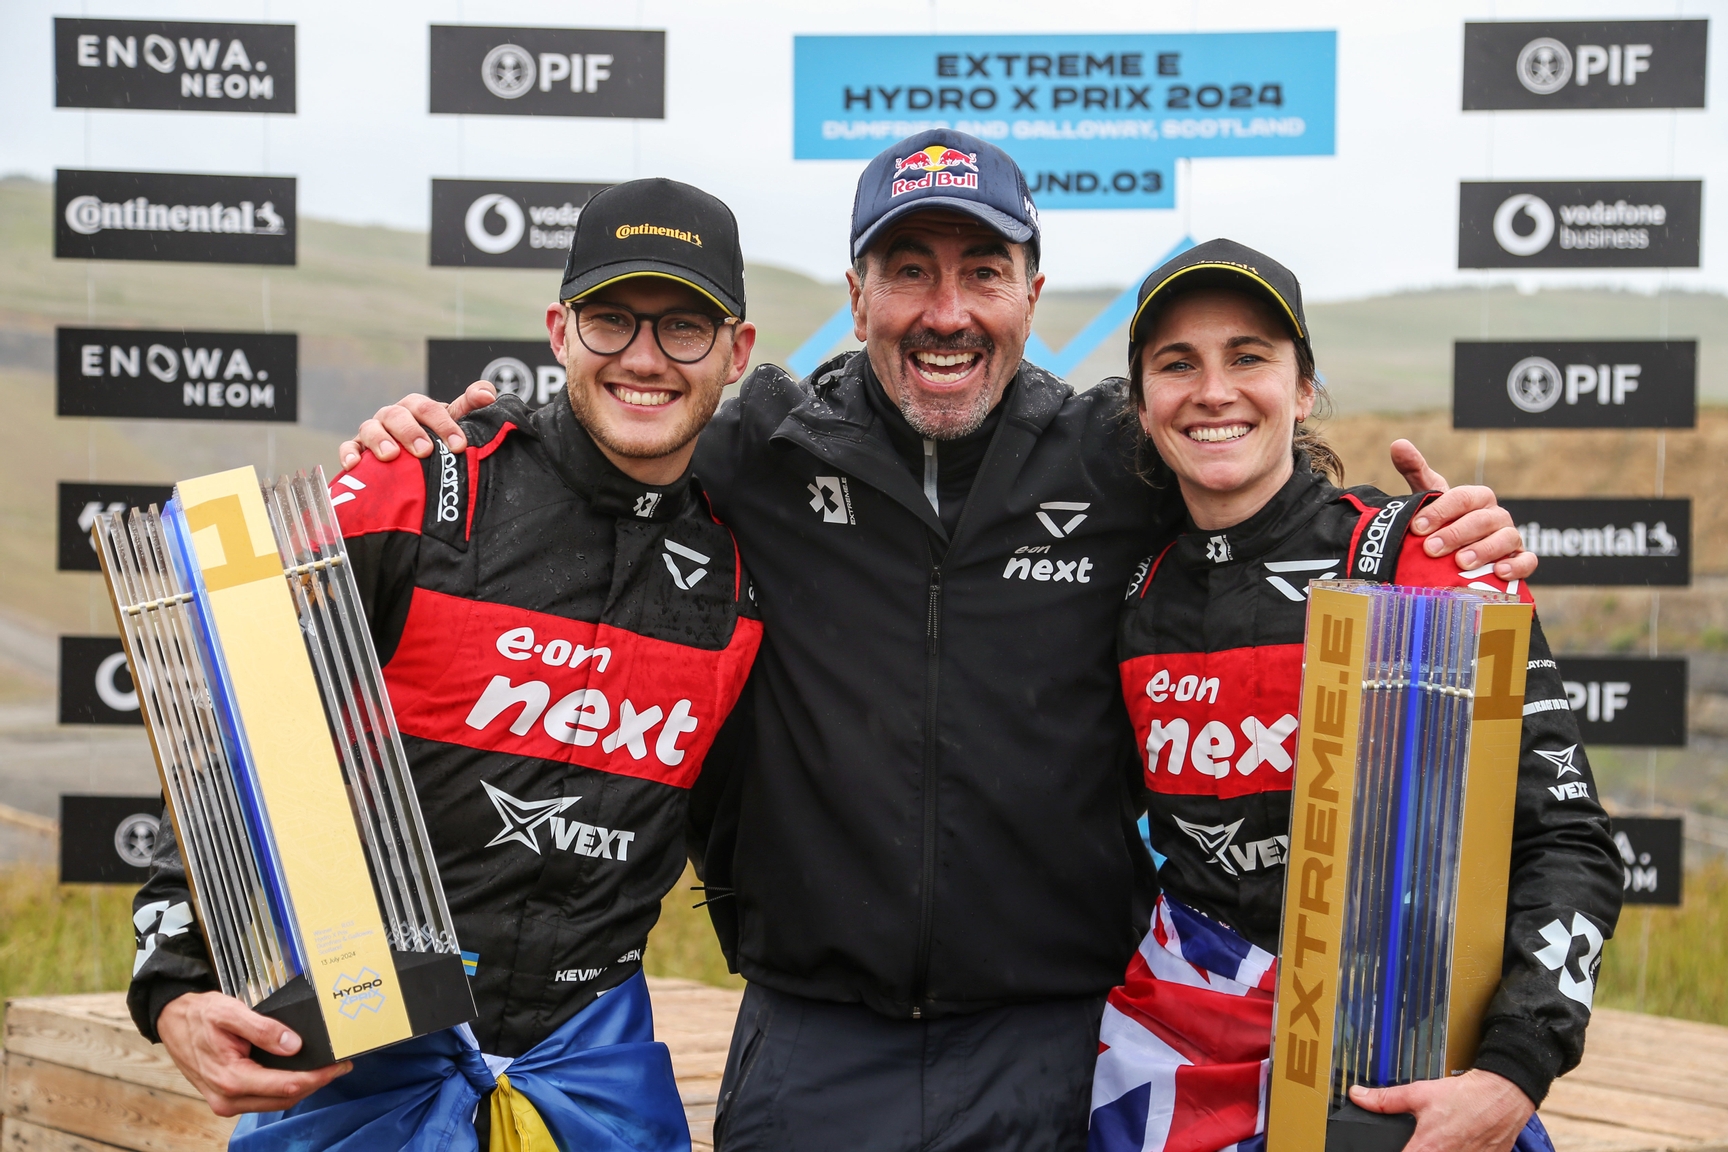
pixel 549 71
pixel 174 216
pixel 1602 541
pixel 78 507
pixel 1095 120
pixel 95 684
pixel 143 373
pixel 1627 701
pixel 107 839
pixel 1650 852
pixel 1575 384
pixel 1585 64
pixel 505 223
pixel 1579 224
pixel 173 65
pixel 526 368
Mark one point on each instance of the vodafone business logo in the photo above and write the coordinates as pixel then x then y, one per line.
pixel 505 223
pixel 1594 224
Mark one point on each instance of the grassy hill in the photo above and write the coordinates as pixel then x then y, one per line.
pixel 364 301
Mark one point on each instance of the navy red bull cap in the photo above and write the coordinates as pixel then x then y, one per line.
pixel 947 170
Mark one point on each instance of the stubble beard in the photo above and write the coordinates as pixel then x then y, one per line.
pixel 946 417
pixel 700 403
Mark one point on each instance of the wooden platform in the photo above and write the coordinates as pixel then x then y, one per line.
pixel 79 1078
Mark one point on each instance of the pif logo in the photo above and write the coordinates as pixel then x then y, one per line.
pixel 548 71
pixel 1555 64
pixel 934 163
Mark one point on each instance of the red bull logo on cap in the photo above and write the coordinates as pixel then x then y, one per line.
pixel 934 163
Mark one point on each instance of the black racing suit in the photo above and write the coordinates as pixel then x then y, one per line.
pixel 1211 656
pixel 561 645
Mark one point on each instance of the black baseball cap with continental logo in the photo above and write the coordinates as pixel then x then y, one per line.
pixel 1222 264
pixel 657 227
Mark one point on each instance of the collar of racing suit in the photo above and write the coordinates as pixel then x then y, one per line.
pixel 1294 505
pixel 579 461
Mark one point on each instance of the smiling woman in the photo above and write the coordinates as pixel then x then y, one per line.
pixel 1210 651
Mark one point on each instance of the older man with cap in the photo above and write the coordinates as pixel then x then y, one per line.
pixel 924 858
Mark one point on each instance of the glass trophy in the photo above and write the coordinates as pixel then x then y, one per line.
pixel 1400 850
pixel 313 880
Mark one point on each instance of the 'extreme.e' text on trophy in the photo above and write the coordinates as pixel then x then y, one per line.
pixel 1400 851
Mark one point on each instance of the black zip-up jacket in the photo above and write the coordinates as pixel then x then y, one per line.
pixel 935 810
pixel 1211 650
pixel 561 645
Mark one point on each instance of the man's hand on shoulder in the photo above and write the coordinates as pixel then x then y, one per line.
pixel 1466 522
pixel 210 1038
pixel 404 424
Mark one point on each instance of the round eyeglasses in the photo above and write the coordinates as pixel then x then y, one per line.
pixel 684 336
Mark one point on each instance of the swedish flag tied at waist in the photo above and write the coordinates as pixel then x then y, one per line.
pixel 600 1083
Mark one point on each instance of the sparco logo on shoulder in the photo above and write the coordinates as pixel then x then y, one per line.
pixel 449 495
pixel 1373 549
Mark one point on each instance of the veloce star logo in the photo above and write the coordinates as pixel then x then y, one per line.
pixel 1562 760
pixel 1213 839
pixel 522 817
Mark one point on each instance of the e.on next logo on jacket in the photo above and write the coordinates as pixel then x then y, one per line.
pixel 526 683
pixel 1216 724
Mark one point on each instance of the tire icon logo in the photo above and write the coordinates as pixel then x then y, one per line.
pixel 494 243
pixel 1540 215
pixel 135 839
pixel 1534 384
pixel 507 71
pixel 510 375
pixel 1544 66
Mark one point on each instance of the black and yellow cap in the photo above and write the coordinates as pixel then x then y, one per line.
pixel 1222 264
pixel 657 227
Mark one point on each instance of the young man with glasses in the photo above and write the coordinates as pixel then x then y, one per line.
pixel 564 628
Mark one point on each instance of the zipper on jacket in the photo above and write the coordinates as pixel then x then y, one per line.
pixel 927 883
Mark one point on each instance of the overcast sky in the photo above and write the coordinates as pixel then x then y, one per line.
pixel 1379 216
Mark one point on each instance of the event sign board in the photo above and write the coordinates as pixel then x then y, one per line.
pixel 1096 121
pixel 612 72
pixel 174 216
pixel 107 839
pixel 1602 541
pixel 505 223
pixel 173 65
pixel 525 368
pixel 1651 856
pixel 95 684
pixel 1626 701
pixel 1585 64
pixel 79 505
pixel 1579 224
pixel 163 374
pixel 1575 384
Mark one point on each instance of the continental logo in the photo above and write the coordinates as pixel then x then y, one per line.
pixel 625 231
